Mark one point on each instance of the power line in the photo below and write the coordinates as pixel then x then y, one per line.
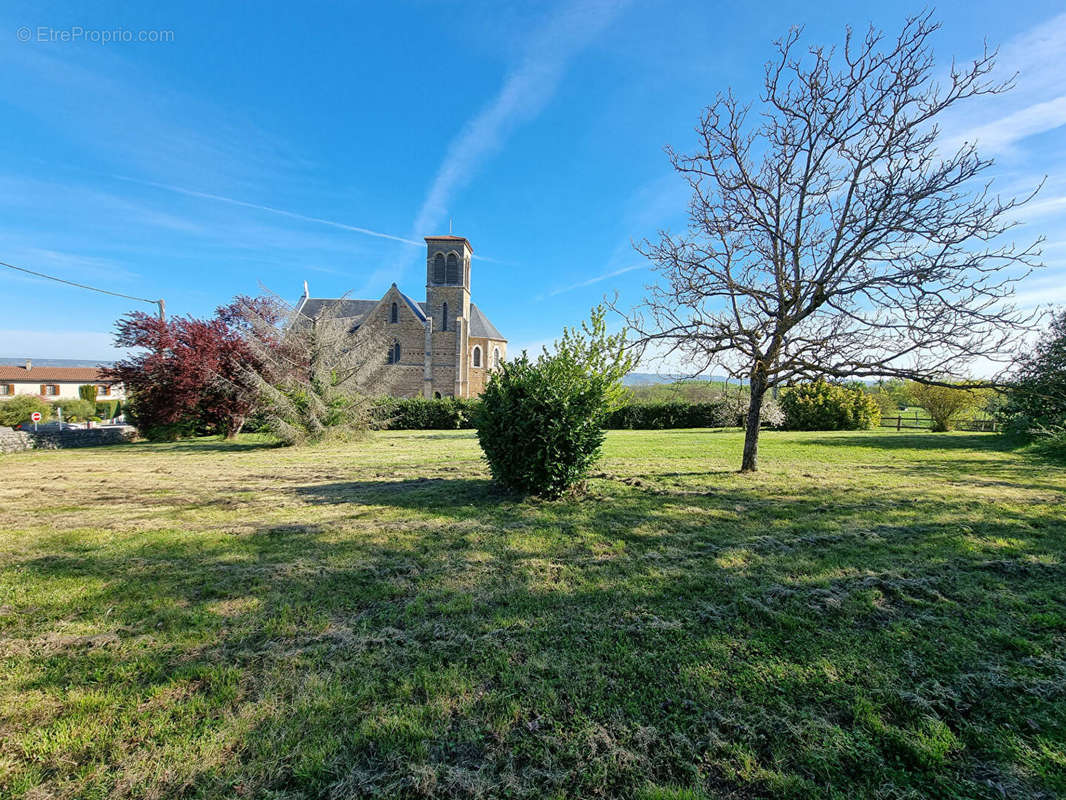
pixel 161 305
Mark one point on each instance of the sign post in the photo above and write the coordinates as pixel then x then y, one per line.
pixel 36 417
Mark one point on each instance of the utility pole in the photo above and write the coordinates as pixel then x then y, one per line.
pixel 162 309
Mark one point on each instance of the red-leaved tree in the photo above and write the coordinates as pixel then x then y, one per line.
pixel 187 377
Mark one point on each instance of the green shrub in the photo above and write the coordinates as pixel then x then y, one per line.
pixel 1036 398
pixel 420 414
pixel 822 406
pixel 541 427
pixel 892 396
pixel 108 409
pixel 88 392
pixel 152 430
pixel 18 409
pixel 945 404
pixel 1051 446
pixel 541 423
pixel 75 410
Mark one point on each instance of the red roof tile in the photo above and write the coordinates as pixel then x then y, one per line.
pixel 60 374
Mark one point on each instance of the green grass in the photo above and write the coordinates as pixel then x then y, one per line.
pixel 874 614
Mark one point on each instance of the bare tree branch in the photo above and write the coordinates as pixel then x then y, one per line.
pixel 831 234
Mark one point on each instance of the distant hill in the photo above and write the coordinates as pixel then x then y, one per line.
pixel 54 362
pixel 653 378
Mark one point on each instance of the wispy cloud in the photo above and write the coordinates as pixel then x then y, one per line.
pixel 524 94
pixel 998 136
pixel 1054 294
pixel 271 210
pixel 1035 105
pixel 1048 205
pixel 124 117
pixel 72 266
pixel 595 279
pixel 1036 55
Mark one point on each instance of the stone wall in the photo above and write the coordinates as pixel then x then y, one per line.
pixel 12 441
pixel 407 379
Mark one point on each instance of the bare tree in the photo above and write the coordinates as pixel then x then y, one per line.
pixel 312 376
pixel 833 234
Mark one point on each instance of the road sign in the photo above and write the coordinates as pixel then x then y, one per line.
pixel 36 416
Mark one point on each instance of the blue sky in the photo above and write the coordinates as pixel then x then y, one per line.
pixel 269 144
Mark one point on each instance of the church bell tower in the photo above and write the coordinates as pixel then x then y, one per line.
pixel 448 304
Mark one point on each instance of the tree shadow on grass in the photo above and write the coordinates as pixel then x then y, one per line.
pixel 975 472
pixel 417 493
pixel 211 444
pixel 754 641
pixel 911 441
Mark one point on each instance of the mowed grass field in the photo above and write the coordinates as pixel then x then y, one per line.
pixel 872 615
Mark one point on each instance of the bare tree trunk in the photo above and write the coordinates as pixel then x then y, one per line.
pixel 751 423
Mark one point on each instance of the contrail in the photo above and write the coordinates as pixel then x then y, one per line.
pixel 279 211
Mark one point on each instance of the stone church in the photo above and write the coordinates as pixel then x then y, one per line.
pixel 444 347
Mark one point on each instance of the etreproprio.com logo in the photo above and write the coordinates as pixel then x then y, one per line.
pixel 78 33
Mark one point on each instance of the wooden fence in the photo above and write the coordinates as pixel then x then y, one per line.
pixel 914 422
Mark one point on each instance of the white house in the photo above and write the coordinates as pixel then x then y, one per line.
pixel 56 383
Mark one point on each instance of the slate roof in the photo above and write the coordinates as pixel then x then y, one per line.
pixel 480 325
pixel 357 309
pixel 416 307
pixel 346 307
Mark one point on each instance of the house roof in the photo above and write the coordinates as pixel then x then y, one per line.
pixel 53 374
pixel 55 362
pixel 356 310
pixel 346 308
pixel 480 325
pixel 420 312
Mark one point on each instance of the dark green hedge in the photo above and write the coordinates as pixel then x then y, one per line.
pixel 419 414
pixel 660 416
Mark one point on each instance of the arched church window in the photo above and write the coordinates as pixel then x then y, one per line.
pixel 444 317
pixel 495 358
pixel 477 356
pixel 438 268
pixel 453 269
pixel 394 353
pixel 395 314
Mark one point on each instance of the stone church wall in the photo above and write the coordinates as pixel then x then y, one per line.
pixel 408 377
